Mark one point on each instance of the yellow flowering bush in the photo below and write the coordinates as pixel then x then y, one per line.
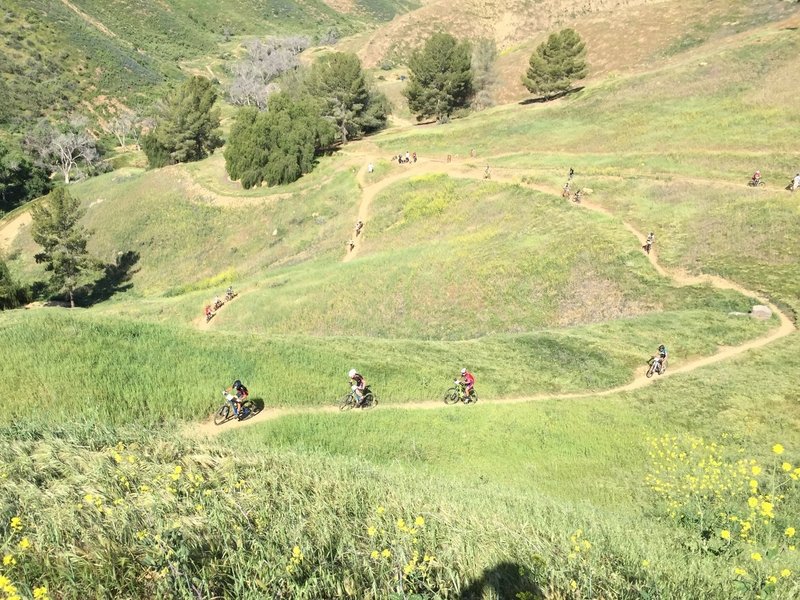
pixel 402 551
pixel 734 505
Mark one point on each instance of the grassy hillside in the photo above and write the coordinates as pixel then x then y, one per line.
pixel 574 477
pixel 86 55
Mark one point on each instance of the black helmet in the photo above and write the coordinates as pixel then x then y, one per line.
pixel 662 347
pixel 237 384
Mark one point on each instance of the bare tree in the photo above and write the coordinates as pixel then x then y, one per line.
pixel 64 151
pixel 123 126
pixel 266 60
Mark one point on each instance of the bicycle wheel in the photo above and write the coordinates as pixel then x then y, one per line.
pixel 370 401
pixel 347 402
pixel 473 397
pixel 247 410
pixel 650 371
pixel 451 396
pixel 222 415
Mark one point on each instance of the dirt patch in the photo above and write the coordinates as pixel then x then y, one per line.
pixel 9 231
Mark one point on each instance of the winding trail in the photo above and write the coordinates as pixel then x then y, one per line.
pixel 507 175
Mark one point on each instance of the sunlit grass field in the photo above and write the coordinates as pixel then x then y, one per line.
pixel 684 488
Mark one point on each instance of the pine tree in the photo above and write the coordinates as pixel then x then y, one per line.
pixel 339 82
pixel 277 146
pixel 441 77
pixel 9 290
pixel 556 64
pixel 63 240
pixel 187 128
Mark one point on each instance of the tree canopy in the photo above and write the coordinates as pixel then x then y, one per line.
pixel 63 240
pixel 441 77
pixel 11 295
pixel 187 127
pixel 556 64
pixel 339 82
pixel 277 146
pixel 20 180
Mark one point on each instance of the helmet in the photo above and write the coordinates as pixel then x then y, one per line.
pixel 651 233
pixel 661 348
pixel 352 373
pixel 463 371
pixel 237 384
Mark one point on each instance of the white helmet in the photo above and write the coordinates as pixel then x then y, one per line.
pixel 463 371
pixel 352 373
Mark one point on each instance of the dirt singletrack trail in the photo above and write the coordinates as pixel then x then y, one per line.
pixel 469 171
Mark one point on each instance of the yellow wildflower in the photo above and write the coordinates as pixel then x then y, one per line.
pixel 408 569
pixel 8 560
pixel 297 553
pixel 401 524
pixel 785 573
pixel 371 531
pixel 385 553
pixel 645 563
pixel 777 449
pixel 16 523
pixel 756 469
pixel 787 466
pixel 756 556
pixel 573 584
pixel 789 532
pixel 419 521
pixel 375 554
pixel 40 592
pixel 380 510
pixel 24 543
pixel 725 534
pixel 740 571
pixel 772 580
pixel 752 502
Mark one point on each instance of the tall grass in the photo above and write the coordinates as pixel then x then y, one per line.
pixel 81 366
pixel 158 517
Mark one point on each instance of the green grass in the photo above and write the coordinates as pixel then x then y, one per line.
pixel 533 294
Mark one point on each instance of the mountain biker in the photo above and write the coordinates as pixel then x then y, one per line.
pixel 359 386
pixel 571 173
pixel 241 395
pixel 229 293
pixel 209 312
pixel 756 177
pixel 359 226
pixel 468 381
pixel 486 173
pixel 660 359
pixel 648 243
pixel 796 182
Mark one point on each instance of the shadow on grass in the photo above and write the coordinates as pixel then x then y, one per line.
pixel 542 99
pixel 116 278
pixel 258 405
pixel 504 580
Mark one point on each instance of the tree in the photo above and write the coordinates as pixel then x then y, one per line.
pixel 277 146
pixel 187 126
pixel 441 78
pixel 484 53
pixel 11 296
pixel 63 240
pixel 20 180
pixel 123 126
pixel 254 76
pixel 66 149
pixel 339 82
pixel 556 63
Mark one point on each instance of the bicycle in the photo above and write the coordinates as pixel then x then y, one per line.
pixel 229 410
pixel 457 394
pixel 350 400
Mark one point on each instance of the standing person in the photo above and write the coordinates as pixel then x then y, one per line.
pixel 414 157
pixel 486 173
pixel 350 245
pixel 571 173
pixel 408 158
pixel 359 386
pixel 370 168
pixel 468 381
